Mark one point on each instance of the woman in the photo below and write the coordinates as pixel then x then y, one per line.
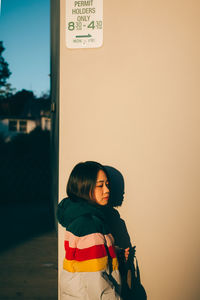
pixel 90 267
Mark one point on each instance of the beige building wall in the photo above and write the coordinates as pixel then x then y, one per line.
pixel 134 104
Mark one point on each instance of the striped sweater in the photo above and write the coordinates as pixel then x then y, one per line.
pixel 86 238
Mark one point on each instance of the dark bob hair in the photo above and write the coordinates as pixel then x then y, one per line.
pixel 82 180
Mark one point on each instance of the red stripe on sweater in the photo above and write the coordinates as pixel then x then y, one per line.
pixel 93 252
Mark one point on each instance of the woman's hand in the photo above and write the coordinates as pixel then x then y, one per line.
pixel 123 254
pixel 126 253
pixel 129 251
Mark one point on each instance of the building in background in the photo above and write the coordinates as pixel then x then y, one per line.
pixel 22 113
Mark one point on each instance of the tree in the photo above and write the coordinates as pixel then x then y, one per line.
pixel 21 102
pixel 5 73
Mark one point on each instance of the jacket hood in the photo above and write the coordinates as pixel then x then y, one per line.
pixel 69 210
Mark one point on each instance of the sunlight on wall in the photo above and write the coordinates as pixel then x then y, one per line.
pixel 133 104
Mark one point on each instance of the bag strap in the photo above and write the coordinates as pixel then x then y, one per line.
pixel 97 219
pixel 110 267
pixel 108 276
pixel 135 272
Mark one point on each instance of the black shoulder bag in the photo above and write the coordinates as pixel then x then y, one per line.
pixel 135 290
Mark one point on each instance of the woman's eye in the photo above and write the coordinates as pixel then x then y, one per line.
pixel 100 185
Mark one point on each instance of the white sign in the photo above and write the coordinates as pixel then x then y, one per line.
pixel 84 24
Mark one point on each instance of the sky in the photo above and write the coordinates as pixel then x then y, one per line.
pixel 25 32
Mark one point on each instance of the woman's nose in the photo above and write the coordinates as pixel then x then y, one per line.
pixel 106 189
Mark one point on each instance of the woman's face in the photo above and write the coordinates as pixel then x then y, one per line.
pixel 101 190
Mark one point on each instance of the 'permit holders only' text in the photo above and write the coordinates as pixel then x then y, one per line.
pixel 84 24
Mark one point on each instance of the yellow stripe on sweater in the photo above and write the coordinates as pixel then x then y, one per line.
pixel 92 265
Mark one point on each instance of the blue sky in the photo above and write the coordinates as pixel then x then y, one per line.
pixel 25 32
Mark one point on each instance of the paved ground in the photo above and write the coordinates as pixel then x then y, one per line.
pixel 29 271
pixel 28 262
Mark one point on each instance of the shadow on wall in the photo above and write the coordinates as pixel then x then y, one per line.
pixel 25 206
pixel 132 289
pixel 117 225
